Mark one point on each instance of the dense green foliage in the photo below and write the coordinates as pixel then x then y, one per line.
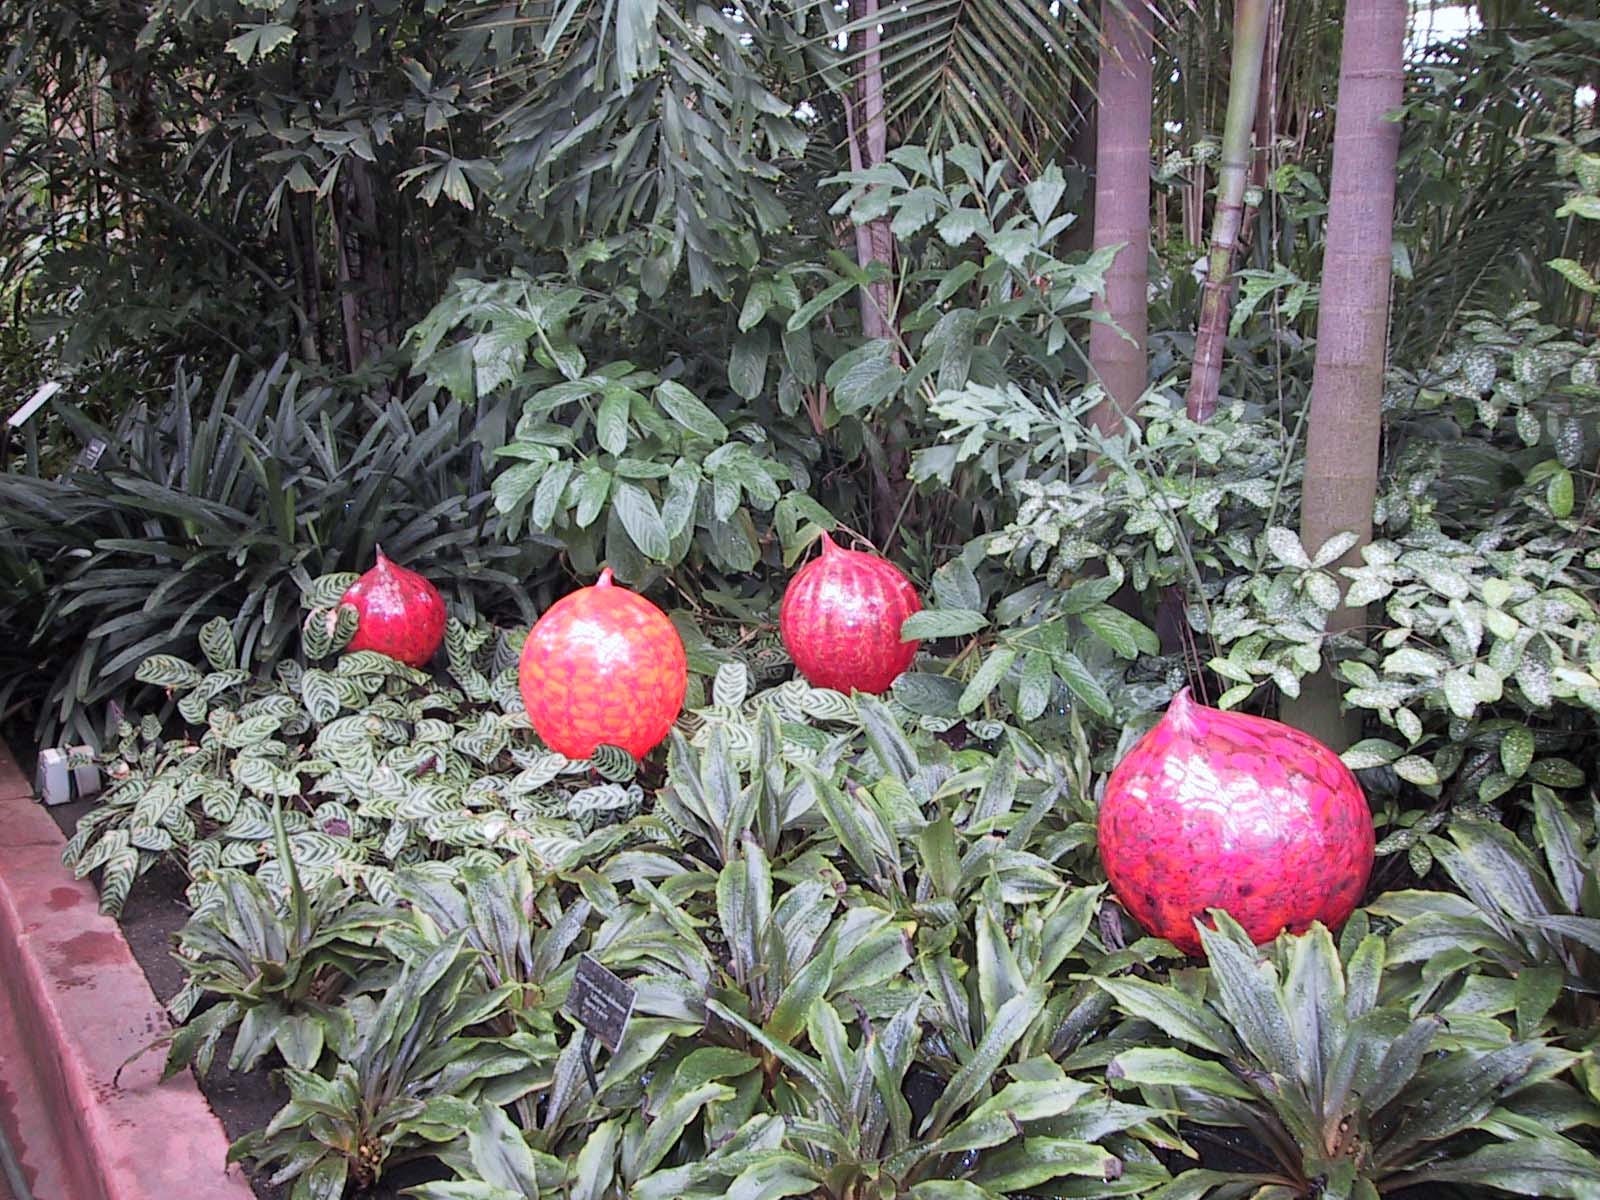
pixel 521 292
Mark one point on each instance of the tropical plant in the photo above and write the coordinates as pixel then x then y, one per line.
pixel 1536 921
pixel 409 766
pixel 794 956
pixel 231 512
pixel 273 973
pixel 410 1073
pixel 1342 1088
pixel 622 465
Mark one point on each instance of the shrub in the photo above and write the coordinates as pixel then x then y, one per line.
pixel 231 510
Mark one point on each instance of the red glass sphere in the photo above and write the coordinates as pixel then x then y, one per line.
pixel 399 613
pixel 603 665
pixel 841 618
pixel 1221 810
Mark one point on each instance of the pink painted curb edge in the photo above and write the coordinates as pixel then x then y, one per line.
pixel 80 1007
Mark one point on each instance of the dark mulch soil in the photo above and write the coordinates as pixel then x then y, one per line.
pixel 243 1101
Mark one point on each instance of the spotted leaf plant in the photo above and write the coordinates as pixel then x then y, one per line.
pixel 376 765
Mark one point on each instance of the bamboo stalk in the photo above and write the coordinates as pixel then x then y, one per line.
pixel 1250 20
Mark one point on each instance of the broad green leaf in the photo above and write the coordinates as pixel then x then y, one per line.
pixel 986 678
pixel 1537 990
pixel 808 987
pixel 1314 999
pixel 747 362
pixel 463 1189
pixel 845 820
pixel 1154 1066
pixel 687 409
pixel 1198 1183
pixel 1082 683
pixel 1413 768
pixel 1516 751
pixel 498 1153
pixel 1558 493
pixel 1574 273
pixel 216 643
pixel 777 1174
pixel 1006 1028
pixel 1558 834
pixel 1534 1166
pixel 596 1163
pixel 1033 693
pixel 164 670
pixel 932 623
pixel 1362 976
pixel 756 302
pixel 927 694
pixel 1127 637
pixel 324 1181
pixel 885 738
pixel 949 1189
pixel 1000 977
pixel 1036 1160
pixel 1284 544
pixel 1371 752
pixel 642 520
pixel 663 1132
pixel 258 41
pixel 810 310
pixel 611 421
pixel 1174 1012
pixel 744 909
pixel 1251 997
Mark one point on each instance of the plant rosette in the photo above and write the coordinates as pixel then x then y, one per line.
pixel 603 666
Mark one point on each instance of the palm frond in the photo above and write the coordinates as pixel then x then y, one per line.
pixel 996 73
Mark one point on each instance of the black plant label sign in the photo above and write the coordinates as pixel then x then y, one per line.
pixel 600 1002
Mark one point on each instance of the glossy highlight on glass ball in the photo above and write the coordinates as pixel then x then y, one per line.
pixel 398 613
pixel 1223 810
pixel 603 665
pixel 841 618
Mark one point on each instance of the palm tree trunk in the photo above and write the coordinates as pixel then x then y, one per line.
pixel 869 146
pixel 1117 351
pixel 1250 20
pixel 1353 320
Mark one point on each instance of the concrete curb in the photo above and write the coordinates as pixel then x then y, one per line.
pixel 74 1007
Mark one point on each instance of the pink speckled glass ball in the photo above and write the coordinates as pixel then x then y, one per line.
pixel 840 620
pixel 1221 810
pixel 398 613
pixel 603 664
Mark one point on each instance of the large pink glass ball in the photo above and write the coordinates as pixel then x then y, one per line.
pixel 1221 810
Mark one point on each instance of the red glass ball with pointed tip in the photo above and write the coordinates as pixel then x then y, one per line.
pixel 1222 810
pixel 603 665
pixel 399 613
pixel 841 618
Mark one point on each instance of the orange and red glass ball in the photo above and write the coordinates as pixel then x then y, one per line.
pixel 1223 810
pixel 603 665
